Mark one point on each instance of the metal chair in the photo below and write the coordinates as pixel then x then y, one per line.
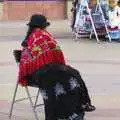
pixel 17 55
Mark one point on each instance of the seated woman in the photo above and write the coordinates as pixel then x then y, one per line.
pixel 42 64
pixel 39 48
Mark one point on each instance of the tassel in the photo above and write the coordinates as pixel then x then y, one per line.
pixel 45 58
pixel 37 64
pixel 54 56
pixel 48 55
pixel 30 67
pixel 41 62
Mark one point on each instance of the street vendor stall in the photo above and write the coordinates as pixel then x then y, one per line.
pixel 98 18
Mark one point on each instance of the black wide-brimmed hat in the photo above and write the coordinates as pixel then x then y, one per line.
pixel 38 20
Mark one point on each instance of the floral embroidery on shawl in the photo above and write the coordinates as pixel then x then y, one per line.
pixel 42 49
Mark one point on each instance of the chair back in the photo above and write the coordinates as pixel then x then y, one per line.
pixel 17 54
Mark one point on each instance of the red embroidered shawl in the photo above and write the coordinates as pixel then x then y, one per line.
pixel 42 49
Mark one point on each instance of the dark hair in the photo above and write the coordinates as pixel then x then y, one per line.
pixel 36 21
pixel 30 29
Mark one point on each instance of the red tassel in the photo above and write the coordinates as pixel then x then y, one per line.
pixel 27 69
pixel 30 67
pixel 45 59
pixel 40 61
pixel 62 60
pixel 54 56
pixel 37 64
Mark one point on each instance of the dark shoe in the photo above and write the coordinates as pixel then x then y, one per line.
pixel 89 108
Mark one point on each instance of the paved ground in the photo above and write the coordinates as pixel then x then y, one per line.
pixel 99 65
pixel 18 28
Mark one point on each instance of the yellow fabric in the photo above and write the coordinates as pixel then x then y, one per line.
pixel 112 3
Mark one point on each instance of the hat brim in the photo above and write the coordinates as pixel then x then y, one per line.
pixel 37 25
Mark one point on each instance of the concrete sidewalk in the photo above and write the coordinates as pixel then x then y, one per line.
pixel 59 28
pixel 99 65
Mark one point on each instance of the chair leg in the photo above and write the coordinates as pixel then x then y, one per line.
pixel 13 101
pixel 31 103
pixel 37 98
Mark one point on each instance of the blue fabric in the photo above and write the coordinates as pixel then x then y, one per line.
pixel 115 35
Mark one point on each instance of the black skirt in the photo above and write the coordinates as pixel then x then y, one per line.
pixel 64 91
